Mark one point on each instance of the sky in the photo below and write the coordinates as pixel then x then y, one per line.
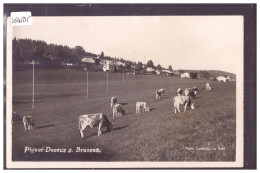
pixel 184 42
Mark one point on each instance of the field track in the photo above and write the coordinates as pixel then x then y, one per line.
pixel 158 135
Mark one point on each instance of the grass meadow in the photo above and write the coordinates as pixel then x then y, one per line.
pixel 207 133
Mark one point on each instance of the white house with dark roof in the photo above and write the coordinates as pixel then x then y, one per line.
pixel 88 59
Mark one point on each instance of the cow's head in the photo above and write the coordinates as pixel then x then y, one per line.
pixel 147 109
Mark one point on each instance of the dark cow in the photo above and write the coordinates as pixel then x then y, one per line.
pixel 28 123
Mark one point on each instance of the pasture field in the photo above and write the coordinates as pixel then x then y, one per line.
pixel 207 133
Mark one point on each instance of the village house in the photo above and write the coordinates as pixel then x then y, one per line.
pixel 108 65
pixel 185 75
pixel 150 70
pixel 223 79
pixel 167 73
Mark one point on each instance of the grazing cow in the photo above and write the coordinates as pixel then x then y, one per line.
pixel 118 111
pixel 179 91
pixel 142 106
pixel 113 101
pixel 191 92
pixel 159 92
pixel 187 92
pixel 28 123
pixel 16 117
pixel 208 87
pixel 195 90
pixel 182 100
pixel 92 120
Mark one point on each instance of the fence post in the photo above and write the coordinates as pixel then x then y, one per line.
pixel 117 79
pixel 87 85
pixel 33 87
pixel 107 83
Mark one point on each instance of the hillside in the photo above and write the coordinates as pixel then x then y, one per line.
pixel 212 73
pixel 220 73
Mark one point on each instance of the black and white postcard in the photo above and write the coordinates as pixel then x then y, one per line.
pixel 92 86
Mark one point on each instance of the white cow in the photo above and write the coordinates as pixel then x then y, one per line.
pixel 208 87
pixel 28 123
pixel 118 111
pixel 182 100
pixel 113 101
pixel 93 120
pixel 159 92
pixel 142 106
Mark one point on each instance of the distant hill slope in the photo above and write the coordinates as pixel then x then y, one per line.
pixel 213 73
pixel 216 73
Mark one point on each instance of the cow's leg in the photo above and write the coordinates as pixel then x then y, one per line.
pixel 178 108
pixel 82 126
pixel 185 107
pixel 113 114
pixel 25 126
pixel 99 128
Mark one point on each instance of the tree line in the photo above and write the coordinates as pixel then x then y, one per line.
pixel 51 55
pixel 48 56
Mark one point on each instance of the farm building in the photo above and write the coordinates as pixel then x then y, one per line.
pixel 158 72
pixel 108 65
pixel 223 79
pixel 175 73
pixel 118 63
pixel 167 72
pixel 67 64
pixel 88 63
pixel 88 60
pixel 150 70
pixel 185 75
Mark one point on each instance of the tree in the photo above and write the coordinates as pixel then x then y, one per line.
pixel 159 67
pixel 170 68
pixel 205 74
pixel 17 57
pixel 150 64
pixel 97 61
pixel 139 66
pixel 128 67
pixel 102 54
pixel 120 68
pixel 193 75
